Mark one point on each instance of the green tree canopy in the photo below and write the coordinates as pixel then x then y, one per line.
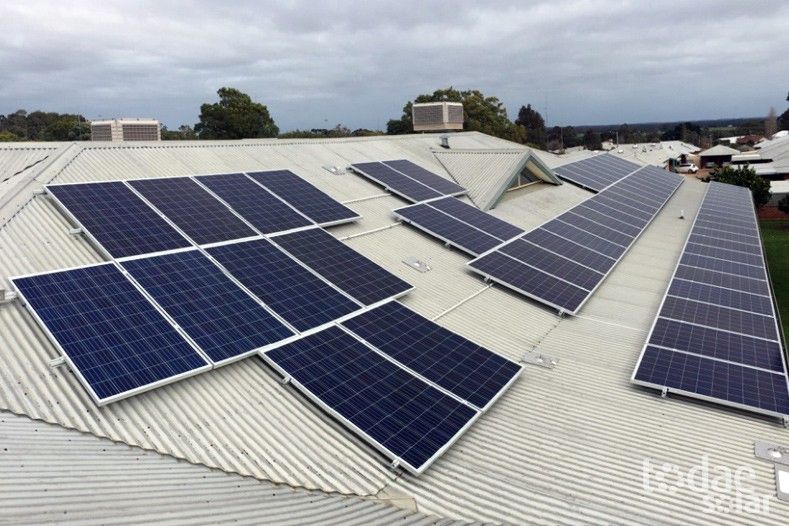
pixel 235 116
pixel 480 113
pixel 183 133
pixel 745 176
pixel 534 124
pixel 45 126
pixel 592 140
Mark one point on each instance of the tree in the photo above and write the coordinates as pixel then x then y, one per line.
pixel 480 113
pixel 783 204
pixel 746 176
pixel 783 120
pixel 7 136
pixel 66 128
pixel 534 124
pixel 592 140
pixel 235 116
pixel 184 133
pixel 771 123
pixel 45 126
pixel 686 131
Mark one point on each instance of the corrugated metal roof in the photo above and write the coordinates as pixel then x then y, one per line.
pixel 563 445
pixel 487 173
pixel 719 149
pixel 51 474
pixel 16 158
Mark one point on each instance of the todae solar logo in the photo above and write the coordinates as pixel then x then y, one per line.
pixel 720 489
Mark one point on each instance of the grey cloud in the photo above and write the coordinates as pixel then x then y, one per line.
pixel 320 63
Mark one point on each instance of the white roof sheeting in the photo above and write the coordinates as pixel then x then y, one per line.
pixel 562 445
pixel 718 150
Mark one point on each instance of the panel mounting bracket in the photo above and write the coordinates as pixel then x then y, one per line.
pixel 7 296
pixel 57 362
pixel 535 357
pixel 779 456
pixel 75 231
pixel 285 380
pixel 395 464
pixel 664 392
pixel 417 264
pixel 39 191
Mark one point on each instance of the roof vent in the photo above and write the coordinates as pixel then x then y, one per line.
pixel 445 141
pixel 417 264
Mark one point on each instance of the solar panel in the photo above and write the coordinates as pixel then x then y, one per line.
pixel 289 289
pixel 404 417
pixel 446 228
pixel 562 262
pixel 117 219
pixel 226 322
pixel 304 197
pixel 195 211
pixel 114 339
pixel 716 335
pixel 452 362
pixel 396 182
pixel 426 177
pixel 476 218
pixel 258 206
pixel 598 172
pixel 338 263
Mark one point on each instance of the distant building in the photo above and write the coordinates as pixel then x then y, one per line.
pixel 437 116
pixel 125 130
pixel 717 155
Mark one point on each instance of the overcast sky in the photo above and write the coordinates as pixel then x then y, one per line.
pixel 319 63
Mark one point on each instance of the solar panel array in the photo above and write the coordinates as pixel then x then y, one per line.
pixel 598 172
pixel 115 340
pixel 144 216
pixel 458 224
pixel 407 385
pixel 408 180
pixel 562 262
pixel 716 335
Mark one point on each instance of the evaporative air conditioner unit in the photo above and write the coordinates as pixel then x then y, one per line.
pixel 437 116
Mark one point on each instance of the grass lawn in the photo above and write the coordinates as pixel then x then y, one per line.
pixel 776 246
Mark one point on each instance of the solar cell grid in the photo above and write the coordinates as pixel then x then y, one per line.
pixel 716 225
pixel 730 281
pixel 570 250
pixel 290 290
pixel 712 379
pixel 598 229
pixel 216 313
pixel 588 211
pixel 305 197
pixel 196 212
pixel 530 281
pixel 701 239
pixel 426 177
pixel 121 222
pixel 448 229
pixel 397 412
pixel 624 205
pixel 720 265
pixel 634 222
pixel 117 341
pixel 714 343
pixel 477 218
pixel 725 254
pixel 719 317
pixel 596 172
pixel 395 181
pixel 584 238
pixel 550 263
pixel 364 280
pixel 721 296
pixel 452 362
pixel 717 234
pixel 258 206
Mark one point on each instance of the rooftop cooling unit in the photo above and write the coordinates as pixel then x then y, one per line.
pixel 437 116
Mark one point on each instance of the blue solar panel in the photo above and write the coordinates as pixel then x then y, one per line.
pixel 395 181
pixel 715 343
pixel 717 319
pixel 550 263
pixel 596 173
pixel 117 218
pixel 578 248
pixel 304 197
pixel 401 415
pixel 118 342
pixel 460 366
pixel 477 218
pixel 529 281
pixel 216 313
pixel 734 384
pixel 338 263
pixel 448 229
pixel 426 177
pixel 293 292
pixel 192 209
pixel 721 296
pixel 258 206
